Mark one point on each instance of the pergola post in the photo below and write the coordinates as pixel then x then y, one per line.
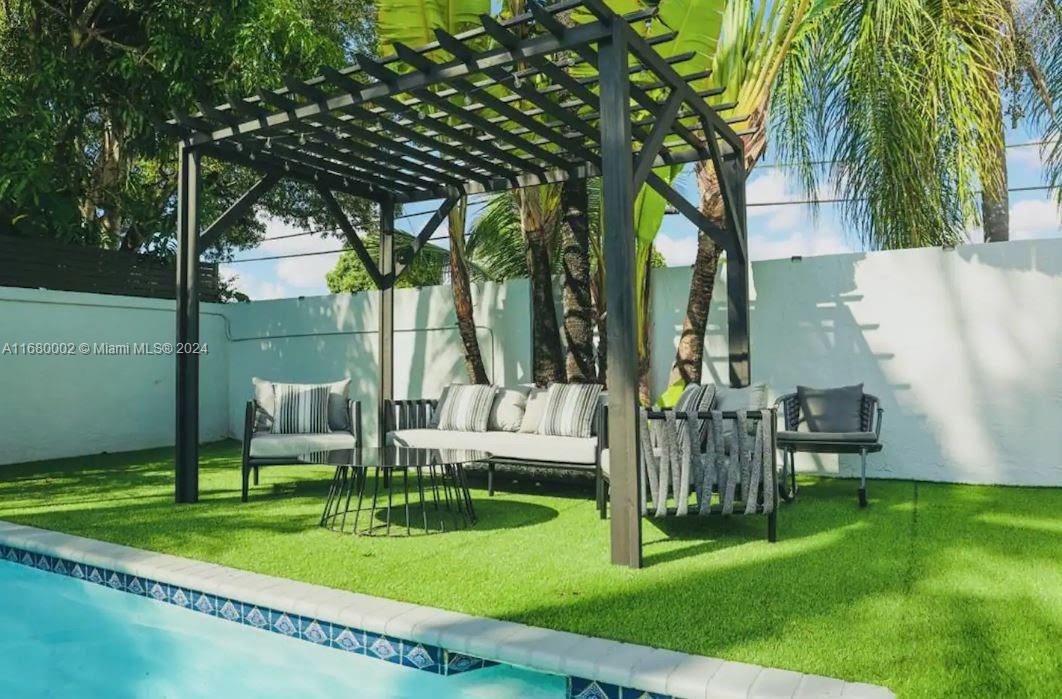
pixel 618 243
pixel 737 281
pixel 387 316
pixel 187 407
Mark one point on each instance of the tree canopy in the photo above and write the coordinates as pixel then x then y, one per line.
pixel 86 86
pixel 349 274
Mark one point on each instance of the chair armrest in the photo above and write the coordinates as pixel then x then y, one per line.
pixel 409 413
pixel 250 417
pixel 871 414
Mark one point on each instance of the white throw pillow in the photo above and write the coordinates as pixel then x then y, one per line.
pixel 534 410
pixel 507 412
pixel 301 408
pixel 338 394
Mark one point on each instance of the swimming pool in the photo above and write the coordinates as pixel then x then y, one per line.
pixel 60 636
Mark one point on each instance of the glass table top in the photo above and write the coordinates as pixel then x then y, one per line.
pixel 394 457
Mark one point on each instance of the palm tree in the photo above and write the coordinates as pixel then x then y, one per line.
pixel 412 22
pixel 1040 93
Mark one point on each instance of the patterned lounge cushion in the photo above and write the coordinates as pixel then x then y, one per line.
pixel 300 409
pixel 507 411
pixel 832 409
pixel 696 399
pixel 570 451
pixel 338 414
pixel 465 408
pixel 570 409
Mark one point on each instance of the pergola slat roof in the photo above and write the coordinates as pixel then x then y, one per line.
pixel 510 104
pixel 531 100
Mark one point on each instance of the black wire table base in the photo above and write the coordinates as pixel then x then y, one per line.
pixel 398 500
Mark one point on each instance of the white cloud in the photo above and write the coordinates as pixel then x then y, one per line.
pixel 824 240
pixel 1027 157
pixel 1032 218
pixel 256 289
pixel 678 252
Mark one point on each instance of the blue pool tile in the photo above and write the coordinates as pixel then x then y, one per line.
pixel 350 640
pixel 95 575
pixel 254 616
pixel 135 585
pixel 315 631
pixel 228 609
pixel 45 562
pixel 115 581
pixel 581 688
pixel 283 623
pixel 11 555
pixel 60 567
pixel 421 657
pixel 77 571
pixel 204 603
pixel 27 559
pixel 458 662
pixel 157 591
pixel 179 596
pixel 383 648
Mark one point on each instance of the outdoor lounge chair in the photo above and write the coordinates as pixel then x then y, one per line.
pixel 262 447
pixel 829 421
pixel 730 467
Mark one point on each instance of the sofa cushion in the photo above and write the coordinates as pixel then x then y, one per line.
pixel 503 445
pixel 300 409
pixel 507 412
pixel 284 445
pixel 832 409
pixel 465 407
pixel 753 397
pixel 837 437
pixel 570 410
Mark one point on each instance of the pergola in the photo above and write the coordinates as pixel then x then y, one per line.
pixel 515 103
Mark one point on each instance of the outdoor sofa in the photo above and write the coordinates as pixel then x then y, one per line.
pixel 262 446
pixel 413 423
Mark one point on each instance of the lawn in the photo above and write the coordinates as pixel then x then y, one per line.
pixel 934 590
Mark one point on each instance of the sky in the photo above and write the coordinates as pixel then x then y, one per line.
pixel 775 231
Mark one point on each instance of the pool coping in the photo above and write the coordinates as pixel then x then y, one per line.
pixel 596 668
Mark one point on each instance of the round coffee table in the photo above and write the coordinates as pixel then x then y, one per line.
pixel 425 487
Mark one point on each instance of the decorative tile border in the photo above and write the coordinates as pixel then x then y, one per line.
pixel 418 656
pixel 582 688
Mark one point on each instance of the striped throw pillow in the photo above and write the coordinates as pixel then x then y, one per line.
pixel 300 408
pixel 464 408
pixel 570 409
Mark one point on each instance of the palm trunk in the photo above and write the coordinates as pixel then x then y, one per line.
pixel 462 290
pixel 546 356
pixel 689 356
pixel 597 290
pixel 995 204
pixel 578 303
pixel 644 326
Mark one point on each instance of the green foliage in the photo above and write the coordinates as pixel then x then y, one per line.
pixel 1039 84
pixel 904 96
pixel 349 274
pixel 86 87
pixel 411 22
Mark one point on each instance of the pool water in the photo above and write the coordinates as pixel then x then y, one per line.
pixel 63 637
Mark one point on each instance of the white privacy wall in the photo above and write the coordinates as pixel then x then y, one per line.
pixel 70 405
pixel 964 347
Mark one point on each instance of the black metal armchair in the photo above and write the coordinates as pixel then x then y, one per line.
pixel 792 440
pixel 262 448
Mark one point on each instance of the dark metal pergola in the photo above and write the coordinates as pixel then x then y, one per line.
pixel 514 103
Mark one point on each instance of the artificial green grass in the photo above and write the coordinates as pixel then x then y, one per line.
pixel 934 590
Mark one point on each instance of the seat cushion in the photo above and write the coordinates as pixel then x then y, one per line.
pixel 838 437
pixel 504 445
pixel 269 446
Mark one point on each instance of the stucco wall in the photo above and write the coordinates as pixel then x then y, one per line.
pixel 964 347
pixel 54 406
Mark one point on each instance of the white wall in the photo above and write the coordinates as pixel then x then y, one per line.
pixel 964 347
pixel 56 406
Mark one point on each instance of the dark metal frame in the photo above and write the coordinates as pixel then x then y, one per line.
pixel 250 464
pixel 389 130
pixel 871 415
pixel 769 414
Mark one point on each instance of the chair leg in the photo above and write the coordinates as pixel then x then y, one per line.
pixel 244 477
pixel 772 526
pixel 256 475
pixel 792 475
pixel 490 480
pixel 863 478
